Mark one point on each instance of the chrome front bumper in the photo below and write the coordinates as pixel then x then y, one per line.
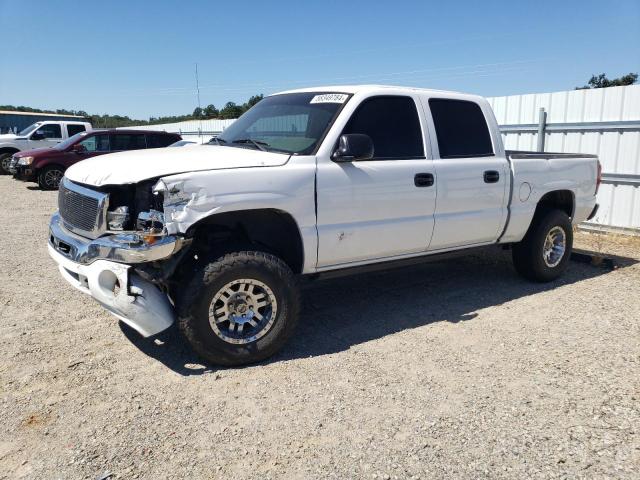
pixel 100 268
pixel 123 248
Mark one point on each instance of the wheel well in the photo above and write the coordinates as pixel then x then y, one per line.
pixel 557 200
pixel 271 230
pixel 8 150
pixel 52 164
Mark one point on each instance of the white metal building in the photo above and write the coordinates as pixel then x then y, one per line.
pixel 603 121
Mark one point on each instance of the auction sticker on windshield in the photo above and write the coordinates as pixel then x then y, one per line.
pixel 330 98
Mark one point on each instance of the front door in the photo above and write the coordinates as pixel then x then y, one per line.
pixel 51 136
pixel 382 207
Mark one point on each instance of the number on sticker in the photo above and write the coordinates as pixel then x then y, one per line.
pixel 330 98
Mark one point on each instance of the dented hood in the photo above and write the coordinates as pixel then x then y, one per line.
pixel 135 166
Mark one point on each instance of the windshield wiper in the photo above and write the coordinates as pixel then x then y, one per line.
pixel 219 141
pixel 257 143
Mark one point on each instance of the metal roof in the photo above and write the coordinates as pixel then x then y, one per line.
pixel 13 112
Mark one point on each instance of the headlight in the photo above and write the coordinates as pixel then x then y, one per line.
pixel 118 218
pixel 25 160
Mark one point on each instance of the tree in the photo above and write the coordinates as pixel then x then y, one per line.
pixel 601 81
pixel 231 110
pixel 252 101
pixel 197 112
pixel 211 111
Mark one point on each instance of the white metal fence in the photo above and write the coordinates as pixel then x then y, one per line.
pixel 604 121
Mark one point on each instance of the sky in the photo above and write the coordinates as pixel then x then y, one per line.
pixel 138 57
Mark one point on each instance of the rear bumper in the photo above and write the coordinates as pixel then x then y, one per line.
pixel 101 268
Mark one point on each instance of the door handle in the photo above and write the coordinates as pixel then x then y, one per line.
pixel 491 176
pixel 423 179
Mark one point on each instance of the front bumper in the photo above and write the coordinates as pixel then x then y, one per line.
pixel 22 172
pixel 95 267
pixel 118 248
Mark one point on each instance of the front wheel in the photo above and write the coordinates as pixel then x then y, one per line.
pixel 50 177
pixel 543 254
pixel 240 308
pixel 5 160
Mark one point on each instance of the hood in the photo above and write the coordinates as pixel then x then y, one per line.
pixel 7 137
pixel 37 152
pixel 137 165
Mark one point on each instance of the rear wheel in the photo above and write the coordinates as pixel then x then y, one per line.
pixel 543 254
pixel 50 177
pixel 240 308
pixel 5 160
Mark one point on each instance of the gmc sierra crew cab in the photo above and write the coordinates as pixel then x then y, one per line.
pixel 44 134
pixel 307 183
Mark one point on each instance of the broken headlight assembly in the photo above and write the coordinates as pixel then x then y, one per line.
pixel 173 192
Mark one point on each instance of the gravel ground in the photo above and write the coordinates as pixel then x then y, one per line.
pixel 457 369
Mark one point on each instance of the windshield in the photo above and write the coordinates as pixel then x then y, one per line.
pixel 291 123
pixel 29 129
pixel 69 141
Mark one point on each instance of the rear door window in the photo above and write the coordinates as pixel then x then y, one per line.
pixel 159 141
pixel 392 123
pixel 128 141
pixel 73 129
pixel 461 128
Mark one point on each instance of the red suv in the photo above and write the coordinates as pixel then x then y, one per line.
pixel 46 166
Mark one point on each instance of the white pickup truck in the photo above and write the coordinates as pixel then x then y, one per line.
pixel 307 183
pixel 39 135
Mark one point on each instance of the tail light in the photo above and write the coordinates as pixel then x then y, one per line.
pixel 599 178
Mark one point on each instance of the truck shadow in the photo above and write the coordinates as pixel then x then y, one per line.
pixel 340 313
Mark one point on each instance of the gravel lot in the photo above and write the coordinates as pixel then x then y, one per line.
pixel 457 369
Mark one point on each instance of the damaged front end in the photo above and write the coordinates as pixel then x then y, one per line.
pixel 113 244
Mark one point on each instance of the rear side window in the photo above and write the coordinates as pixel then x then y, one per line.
pixel 393 125
pixel 160 141
pixel 51 130
pixel 461 128
pixel 128 141
pixel 73 129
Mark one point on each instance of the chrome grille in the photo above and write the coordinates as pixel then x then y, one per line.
pixel 82 209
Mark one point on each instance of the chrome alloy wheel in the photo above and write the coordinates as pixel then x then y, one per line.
pixel 554 247
pixel 243 311
pixel 52 178
pixel 6 162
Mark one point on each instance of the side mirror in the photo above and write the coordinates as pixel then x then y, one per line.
pixel 353 146
pixel 79 148
pixel 37 136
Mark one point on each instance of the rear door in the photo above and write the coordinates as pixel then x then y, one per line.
pixel 378 208
pixel 472 175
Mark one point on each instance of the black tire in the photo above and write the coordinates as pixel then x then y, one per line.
pixel 5 159
pixel 50 176
pixel 195 300
pixel 528 255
